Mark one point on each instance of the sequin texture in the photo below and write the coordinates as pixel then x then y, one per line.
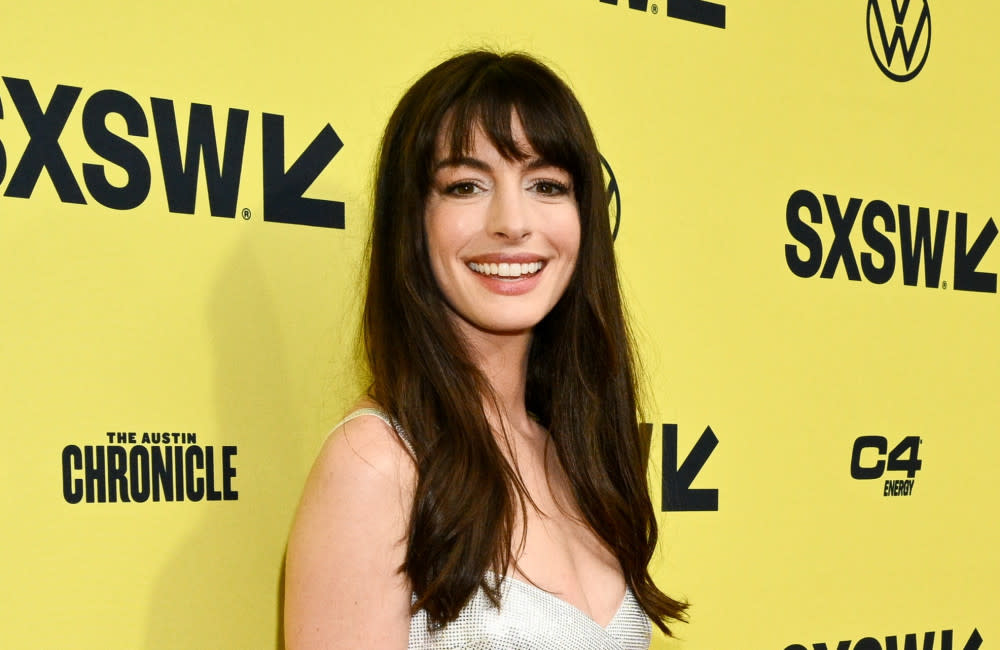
pixel 532 619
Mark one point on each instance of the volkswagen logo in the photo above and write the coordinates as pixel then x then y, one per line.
pixel 900 40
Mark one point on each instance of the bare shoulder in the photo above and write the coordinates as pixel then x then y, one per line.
pixel 343 585
pixel 367 443
pixel 365 458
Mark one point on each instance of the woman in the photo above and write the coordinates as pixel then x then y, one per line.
pixel 492 491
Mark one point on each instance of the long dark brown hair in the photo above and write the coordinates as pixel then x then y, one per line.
pixel 581 382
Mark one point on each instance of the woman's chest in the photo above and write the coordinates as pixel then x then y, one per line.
pixel 554 549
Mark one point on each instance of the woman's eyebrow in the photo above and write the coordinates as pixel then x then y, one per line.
pixel 462 161
pixel 537 163
pixel 531 164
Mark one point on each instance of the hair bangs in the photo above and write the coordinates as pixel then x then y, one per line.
pixel 506 90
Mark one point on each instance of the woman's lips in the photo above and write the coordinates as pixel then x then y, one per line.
pixel 513 276
pixel 512 270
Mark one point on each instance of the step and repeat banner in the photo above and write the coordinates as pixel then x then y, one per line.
pixel 806 211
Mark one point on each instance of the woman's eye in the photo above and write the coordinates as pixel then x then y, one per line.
pixel 464 188
pixel 550 188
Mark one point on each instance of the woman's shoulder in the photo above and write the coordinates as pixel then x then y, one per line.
pixel 368 439
pixel 347 543
pixel 362 465
pixel 363 456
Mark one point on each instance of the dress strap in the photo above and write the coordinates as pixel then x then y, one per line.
pixel 385 417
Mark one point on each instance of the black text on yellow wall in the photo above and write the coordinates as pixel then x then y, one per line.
pixel 282 187
pixel 920 242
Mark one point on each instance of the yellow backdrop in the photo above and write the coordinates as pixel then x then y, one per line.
pixel 808 243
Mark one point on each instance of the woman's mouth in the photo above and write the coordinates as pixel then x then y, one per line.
pixel 511 270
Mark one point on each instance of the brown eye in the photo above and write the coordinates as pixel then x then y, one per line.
pixel 464 188
pixel 550 188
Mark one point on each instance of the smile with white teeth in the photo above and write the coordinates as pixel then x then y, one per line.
pixel 507 270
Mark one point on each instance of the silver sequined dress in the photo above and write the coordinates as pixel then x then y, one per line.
pixel 529 618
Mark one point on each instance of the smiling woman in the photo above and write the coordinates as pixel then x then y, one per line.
pixel 491 489
pixel 500 229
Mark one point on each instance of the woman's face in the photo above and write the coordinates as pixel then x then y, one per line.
pixel 503 235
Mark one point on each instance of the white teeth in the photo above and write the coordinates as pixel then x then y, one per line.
pixel 506 269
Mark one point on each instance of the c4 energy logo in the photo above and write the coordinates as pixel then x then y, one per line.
pixel 904 237
pixel 909 642
pixel 901 40
pixel 677 493
pixel 871 459
pixel 153 467
pixel 282 186
pixel 696 11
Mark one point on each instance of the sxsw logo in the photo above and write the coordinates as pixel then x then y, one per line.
pixel 695 11
pixel 892 239
pixel 677 493
pixel 908 642
pixel 901 40
pixel 117 173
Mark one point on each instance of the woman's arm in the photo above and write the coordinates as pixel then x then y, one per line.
pixel 343 588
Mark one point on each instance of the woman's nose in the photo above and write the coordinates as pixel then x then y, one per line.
pixel 509 216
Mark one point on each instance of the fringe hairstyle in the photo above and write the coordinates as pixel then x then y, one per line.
pixel 580 385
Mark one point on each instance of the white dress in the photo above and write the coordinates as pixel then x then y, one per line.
pixel 529 618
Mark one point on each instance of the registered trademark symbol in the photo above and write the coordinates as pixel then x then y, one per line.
pixel 655 9
pixel 247 214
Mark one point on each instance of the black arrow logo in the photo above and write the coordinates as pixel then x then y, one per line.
pixel 975 640
pixel 677 492
pixel 967 278
pixel 283 190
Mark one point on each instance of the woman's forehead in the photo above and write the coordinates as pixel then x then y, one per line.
pixel 456 140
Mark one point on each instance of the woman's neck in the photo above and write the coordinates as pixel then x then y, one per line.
pixel 503 360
